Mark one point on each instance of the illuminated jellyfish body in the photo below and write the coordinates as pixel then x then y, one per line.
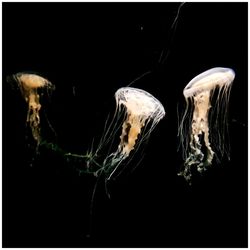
pixel 29 84
pixel 207 97
pixel 141 112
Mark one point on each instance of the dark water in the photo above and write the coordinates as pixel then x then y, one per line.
pixel 88 51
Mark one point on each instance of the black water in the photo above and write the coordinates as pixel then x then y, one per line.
pixel 88 51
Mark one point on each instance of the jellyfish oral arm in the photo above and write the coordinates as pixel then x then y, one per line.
pixel 130 132
pixel 33 116
pixel 200 127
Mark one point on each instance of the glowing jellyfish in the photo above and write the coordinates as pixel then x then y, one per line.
pixel 141 112
pixel 29 84
pixel 207 97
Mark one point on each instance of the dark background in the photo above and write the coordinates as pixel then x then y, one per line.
pixel 95 48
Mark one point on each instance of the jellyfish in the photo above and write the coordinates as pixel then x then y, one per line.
pixel 139 113
pixel 29 84
pixel 207 97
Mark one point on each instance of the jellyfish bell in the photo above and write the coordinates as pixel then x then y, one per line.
pixel 31 81
pixel 29 85
pixel 209 80
pixel 201 111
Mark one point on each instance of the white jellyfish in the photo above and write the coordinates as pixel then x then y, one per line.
pixel 207 97
pixel 29 84
pixel 139 112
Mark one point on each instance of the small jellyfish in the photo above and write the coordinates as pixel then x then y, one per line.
pixel 139 113
pixel 29 84
pixel 207 97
